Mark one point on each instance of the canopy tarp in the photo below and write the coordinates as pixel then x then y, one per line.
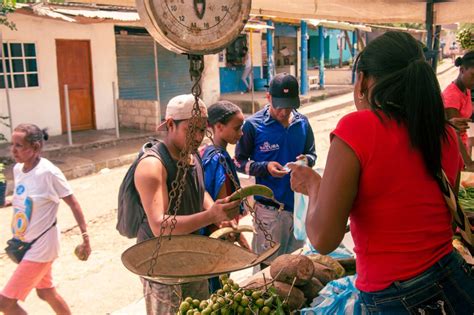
pixel 359 11
pixel 367 11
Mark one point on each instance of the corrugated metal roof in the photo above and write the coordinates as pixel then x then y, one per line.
pixel 42 10
pixel 60 12
pixel 100 14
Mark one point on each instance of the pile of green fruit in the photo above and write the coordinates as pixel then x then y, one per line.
pixel 232 299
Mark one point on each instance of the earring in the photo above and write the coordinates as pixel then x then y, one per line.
pixel 361 96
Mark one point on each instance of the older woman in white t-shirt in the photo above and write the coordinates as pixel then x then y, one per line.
pixel 39 186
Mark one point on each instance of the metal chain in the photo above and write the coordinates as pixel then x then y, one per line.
pixel 224 164
pixel 184 161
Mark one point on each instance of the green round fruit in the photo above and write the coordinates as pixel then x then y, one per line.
pixel 224 277
pixel 245 301
pixel 184 306
pixel 238 297
pixel 203 305
pixel 269 301
pixel 256 295
pixel 259 302
pixel 206 311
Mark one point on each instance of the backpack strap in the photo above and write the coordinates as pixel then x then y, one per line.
pixel 164 155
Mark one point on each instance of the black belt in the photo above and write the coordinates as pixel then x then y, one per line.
pixel 268 203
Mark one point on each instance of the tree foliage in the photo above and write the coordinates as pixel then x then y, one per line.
pixel 6 7
pixel 465 36
pixel 416 26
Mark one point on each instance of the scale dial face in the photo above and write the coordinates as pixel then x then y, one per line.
pixel 194 26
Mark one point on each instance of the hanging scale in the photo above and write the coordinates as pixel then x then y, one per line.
pixel 195 28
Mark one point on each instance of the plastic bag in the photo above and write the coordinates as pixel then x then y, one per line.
pixel 299 216
pixel 338 297
pixel 341 252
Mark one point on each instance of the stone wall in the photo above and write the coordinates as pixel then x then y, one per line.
pixel 139 114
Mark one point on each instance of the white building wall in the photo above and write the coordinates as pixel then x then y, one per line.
pixel 41 105
pixel 256 48
pixel 211 91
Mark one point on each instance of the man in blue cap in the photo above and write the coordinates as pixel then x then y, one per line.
pixel 272 137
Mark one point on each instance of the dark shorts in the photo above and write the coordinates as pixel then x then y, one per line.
pixel 445 288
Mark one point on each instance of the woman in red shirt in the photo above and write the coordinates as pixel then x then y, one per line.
pixel 381 172
pixel 457 96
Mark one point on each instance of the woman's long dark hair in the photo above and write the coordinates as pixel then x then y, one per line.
pixel 407 90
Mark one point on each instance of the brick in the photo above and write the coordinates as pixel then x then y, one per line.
pixel 151 120
pixel 145 105
pixel 145 112
pixel 126 119
pixel 140 119
pixel 132 111
pixel 150 127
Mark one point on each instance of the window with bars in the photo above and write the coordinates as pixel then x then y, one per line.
pixel 21 66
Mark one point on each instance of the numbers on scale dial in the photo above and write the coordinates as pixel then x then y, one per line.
pixel 206 14
pixel 194 26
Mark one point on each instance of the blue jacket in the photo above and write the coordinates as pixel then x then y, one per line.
pixel 264 140
pixel 214 173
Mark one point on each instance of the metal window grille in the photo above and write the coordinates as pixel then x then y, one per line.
pixel 21 66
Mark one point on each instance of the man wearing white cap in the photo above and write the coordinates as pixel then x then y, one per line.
pixel 153 177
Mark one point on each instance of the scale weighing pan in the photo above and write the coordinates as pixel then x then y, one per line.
pixel 189 258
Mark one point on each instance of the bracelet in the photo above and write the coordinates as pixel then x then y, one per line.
pixel 83 234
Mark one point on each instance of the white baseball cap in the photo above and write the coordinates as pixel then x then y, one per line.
pixel 180 108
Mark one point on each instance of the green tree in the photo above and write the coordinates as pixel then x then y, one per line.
pixel 416 26
pixel 6 7
pixel 465 36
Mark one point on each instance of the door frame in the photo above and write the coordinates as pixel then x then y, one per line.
pixel 61 88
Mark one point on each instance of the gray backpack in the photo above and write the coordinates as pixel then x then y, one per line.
pixel 130 213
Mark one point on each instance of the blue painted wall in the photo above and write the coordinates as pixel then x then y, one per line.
pixel 331 52
pixel 230 78
pixel 285 30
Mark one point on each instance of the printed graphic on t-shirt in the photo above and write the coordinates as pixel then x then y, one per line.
pixel 267 147
pixel 22 212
